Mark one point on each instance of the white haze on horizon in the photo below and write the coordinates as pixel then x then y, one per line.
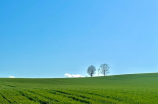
pixel 11 77
pixel 67 75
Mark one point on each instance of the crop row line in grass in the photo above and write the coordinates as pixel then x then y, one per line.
pixel 92 98
pixel 45 95
pixel 15 97
pixel 61 98
pixel 3 99
pixel 98 97
pixel 10 85
pixel 72 93
pixel 36 98
pixel 120 97
pixel 72 96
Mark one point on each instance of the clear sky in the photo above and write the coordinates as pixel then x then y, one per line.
pixel 48 38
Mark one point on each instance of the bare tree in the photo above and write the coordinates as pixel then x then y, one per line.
pixel 104 69
pixel 91 70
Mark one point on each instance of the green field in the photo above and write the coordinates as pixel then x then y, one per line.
pixel 119 89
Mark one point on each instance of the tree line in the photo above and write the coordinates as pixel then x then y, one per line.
pixel 103 69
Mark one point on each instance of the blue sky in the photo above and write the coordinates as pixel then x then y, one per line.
pixel 53 37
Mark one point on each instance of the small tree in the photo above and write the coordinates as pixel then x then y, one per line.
pixel 104 69
pixel 91 70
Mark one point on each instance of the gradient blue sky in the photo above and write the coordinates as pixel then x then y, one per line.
pixel 48 38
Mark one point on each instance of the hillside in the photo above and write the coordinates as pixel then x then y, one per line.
pixel 118 89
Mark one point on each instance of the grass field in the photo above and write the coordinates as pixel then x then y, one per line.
pixel 119 89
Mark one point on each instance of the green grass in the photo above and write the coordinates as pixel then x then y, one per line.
pixel 119 89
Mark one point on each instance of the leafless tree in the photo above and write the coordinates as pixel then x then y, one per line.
pixel 104 69
pixel 91 70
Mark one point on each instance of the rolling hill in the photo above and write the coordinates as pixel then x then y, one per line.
pixel 117 89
